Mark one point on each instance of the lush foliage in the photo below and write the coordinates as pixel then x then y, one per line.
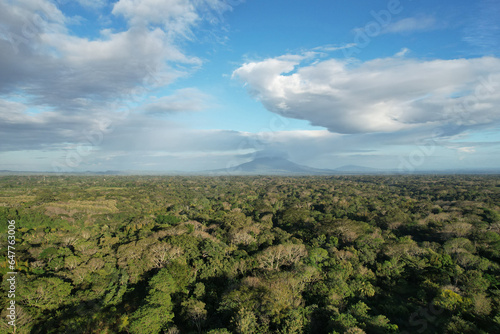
pixel 353 254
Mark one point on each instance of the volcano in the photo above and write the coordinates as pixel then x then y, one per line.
pixel 272 166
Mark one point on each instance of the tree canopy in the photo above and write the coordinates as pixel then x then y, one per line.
pixel 333 254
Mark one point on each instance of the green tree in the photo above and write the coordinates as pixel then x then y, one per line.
pixel 245 322
pixel 157 312
pixel 46 293
pixel 195 312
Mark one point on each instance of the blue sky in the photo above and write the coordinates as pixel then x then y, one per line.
pixel 187 85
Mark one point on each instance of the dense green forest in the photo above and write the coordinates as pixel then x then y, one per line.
pixel 343 254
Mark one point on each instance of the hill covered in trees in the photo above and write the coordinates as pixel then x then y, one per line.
pixel 332 254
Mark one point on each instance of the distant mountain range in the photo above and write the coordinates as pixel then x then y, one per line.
pixel 272 166
pixel 282 166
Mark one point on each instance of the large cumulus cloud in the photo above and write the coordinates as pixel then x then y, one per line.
pixel 42 59
pixel 381 95
pixel 56 84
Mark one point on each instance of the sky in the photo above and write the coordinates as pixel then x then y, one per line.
pixel 191 85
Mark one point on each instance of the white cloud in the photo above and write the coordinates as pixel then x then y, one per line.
pixel 381 95
pixel 21 130
pixel 402 53
pixel 54 67
pixel 177 17
pixel 412 24
pixel 79 78
pixel 330 48
pixel 24 20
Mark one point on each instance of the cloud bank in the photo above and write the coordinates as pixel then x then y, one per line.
pixel 56 85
